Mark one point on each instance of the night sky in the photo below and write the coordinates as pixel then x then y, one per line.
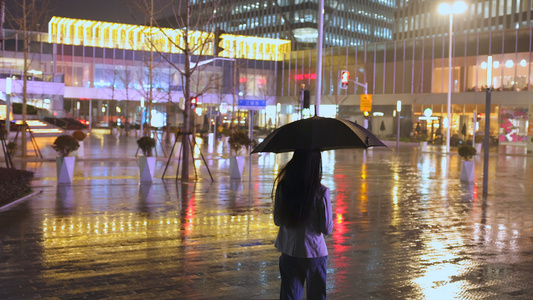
pixel 101 10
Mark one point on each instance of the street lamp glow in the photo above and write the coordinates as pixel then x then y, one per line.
pixel 399 110
pixel 457 7
pixel 489 71
pixel 8 85
pixel 444 9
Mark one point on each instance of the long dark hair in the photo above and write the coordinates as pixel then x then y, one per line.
pixel 298 182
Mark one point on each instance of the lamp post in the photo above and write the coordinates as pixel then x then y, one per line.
pixel 8 104
pixel 142 115
pixel 457 7
pixel 399 110
pixel 486 145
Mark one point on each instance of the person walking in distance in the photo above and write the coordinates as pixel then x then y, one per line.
pixel 302 210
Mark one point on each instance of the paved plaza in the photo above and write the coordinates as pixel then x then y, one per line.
pixel 405 227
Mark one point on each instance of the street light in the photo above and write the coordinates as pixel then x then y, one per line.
pixel 8 103
pixel 399 110
pixel 142 116
pixel 457 7
pixel 487 128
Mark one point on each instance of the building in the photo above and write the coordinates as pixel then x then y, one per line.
pixel 346 23
pixel 414 68
pixel 106 72
pixel 420 19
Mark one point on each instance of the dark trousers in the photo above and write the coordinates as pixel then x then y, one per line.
pixel 296 270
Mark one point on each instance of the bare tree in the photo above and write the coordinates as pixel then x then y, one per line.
pixel 27 17
pixel 193 37
pixel 170 103
pixel 126 78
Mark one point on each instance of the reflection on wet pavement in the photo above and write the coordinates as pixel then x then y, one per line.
pixel 405 227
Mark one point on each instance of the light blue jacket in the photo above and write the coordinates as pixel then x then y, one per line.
pixel 307 241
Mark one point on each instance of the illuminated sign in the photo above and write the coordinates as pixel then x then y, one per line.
pixel 305 76
pixel 252 104
pixel 428 115
pixel 69 31
pixel 366 102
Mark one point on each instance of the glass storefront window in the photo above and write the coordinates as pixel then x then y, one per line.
pixel 513 124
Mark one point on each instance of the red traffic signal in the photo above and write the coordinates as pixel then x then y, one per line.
pixel 194 101
pixel 478 117
pixel 345 77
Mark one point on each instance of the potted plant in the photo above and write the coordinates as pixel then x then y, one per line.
pixel 468 169
pixel 147 161
pixel 80 136
pixel 11 148
pixel 137 128
pixel 64 146
pixel 237 140
pixel 423 139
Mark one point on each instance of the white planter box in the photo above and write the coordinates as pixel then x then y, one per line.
pixel 468 172
pixel 81 150
pixel 225 142
pixel 147 167
pixel 236 166
pixel 423 146
pixel 65 169
pixel 478 147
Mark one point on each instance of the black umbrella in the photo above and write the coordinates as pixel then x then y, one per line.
pixel 382 126
pixel 463 130
pixel 318 133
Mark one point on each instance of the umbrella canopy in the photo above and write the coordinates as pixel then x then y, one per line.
pixel 318 133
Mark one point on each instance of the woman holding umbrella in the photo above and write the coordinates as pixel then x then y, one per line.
pixel 302 210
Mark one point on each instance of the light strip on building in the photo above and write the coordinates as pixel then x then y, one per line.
pixel 137 37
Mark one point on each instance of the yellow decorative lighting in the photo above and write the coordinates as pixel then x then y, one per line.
pixel 137 37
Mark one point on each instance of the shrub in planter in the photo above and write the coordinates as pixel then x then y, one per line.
pixel 467 152
pixel 11 148
pixel 65 144
pixel 79 135
pixel 13 184
pixel 238 139
pixel 146 144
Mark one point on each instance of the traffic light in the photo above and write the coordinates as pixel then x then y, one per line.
pixel 306 98
pixel 366 114
pixel 478 117
pixel 194 101
pixel 345 77
pixel 216 47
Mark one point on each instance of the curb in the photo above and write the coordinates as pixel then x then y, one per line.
pixel 18 201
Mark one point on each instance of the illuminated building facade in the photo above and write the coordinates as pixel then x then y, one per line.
pixel 417 19
pixel 111 76
pixel 415 71
pixel 346 23
pixel 103 70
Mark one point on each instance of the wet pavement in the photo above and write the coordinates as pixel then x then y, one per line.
pixel 405 227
